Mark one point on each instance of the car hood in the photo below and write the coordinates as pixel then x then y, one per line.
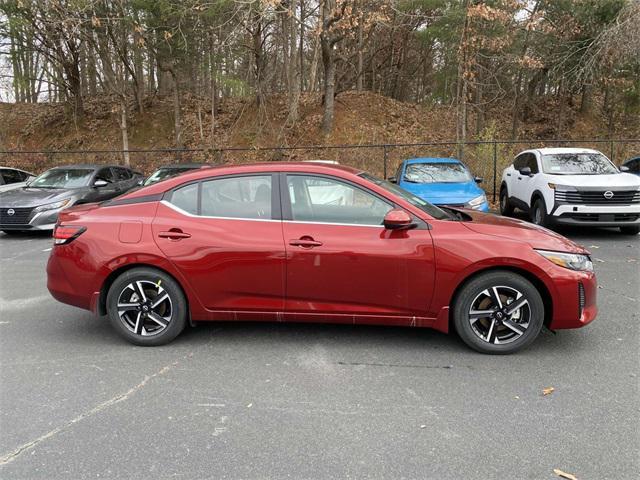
pixel 615 180
pixel 445 192
pixel 33 197
pixel 514 229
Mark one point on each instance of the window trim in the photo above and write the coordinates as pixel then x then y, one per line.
pixel 287 211
pixel 276 209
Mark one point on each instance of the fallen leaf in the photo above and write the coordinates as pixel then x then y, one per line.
pixel 548 390
pixel 423 426
pixel 566 475
pixel 594 246
pixel 598 260
pixel 250 405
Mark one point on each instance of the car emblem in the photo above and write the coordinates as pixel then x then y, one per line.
pixel 11 211
pixel 608 194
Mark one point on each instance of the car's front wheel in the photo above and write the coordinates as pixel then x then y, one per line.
pixel 539 213
pixel 147 307
pixel 498 312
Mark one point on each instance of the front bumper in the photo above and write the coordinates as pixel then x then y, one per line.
pixel 596 215
pixel 574 305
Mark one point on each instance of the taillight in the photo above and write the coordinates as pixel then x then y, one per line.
pixel 64 234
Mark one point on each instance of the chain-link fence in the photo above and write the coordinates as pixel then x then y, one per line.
pixel 486 158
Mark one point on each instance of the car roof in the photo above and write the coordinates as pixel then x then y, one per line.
pixel 431 160
pixel 555 150
pixel 185 165
pixel 246 168
pixel 93 166
pixel 14 168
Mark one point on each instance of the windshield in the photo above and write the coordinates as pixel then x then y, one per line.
pixel 165 173
pixel 437 173
pixel 423 205
pixel 63 178
pixel 577 164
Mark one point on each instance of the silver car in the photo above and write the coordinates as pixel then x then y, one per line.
pixel 11 178
pixel 37 205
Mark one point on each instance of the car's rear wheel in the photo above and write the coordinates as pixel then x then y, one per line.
pixel 506 208
pixel 498 312
pixel 630 230
pixel 539 212
pixel 147 307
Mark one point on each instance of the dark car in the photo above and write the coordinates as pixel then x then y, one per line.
pixel 307 242
pixel 11 178
pixel 37 205
pixel 633 165
pixel 168 171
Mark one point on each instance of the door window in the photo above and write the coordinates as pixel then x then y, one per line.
pixel 532 163
pixel 325 200
pixel 12 176
pixel 121 174
pixel 186 198
pixel 106 174
pixel 520 162
pixel 237 197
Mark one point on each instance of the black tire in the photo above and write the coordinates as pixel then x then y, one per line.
pixel 538 213
pixel 477 333
pixel 506 209
pixel 136 324
pixel 630 230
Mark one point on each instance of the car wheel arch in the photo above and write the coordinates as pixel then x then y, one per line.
pixel 537 282
pixel 537 194
pixel 106 285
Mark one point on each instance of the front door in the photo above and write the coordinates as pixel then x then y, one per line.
pixel 343 265
pixel 225 236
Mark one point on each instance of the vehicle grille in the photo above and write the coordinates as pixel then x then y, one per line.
pixel 596 197
pixel 581 299
pixel 604 217
pixel 20 216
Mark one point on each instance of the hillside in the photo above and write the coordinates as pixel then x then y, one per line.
pixel 361 118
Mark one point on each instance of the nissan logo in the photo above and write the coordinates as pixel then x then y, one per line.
pixel 11 211
pixel 608 195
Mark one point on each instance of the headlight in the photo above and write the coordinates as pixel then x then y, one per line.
pixel 478 201
pixel 52 206
pixel 572 261
pixel 562 188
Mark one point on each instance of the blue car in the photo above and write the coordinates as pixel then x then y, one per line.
pixel 442 181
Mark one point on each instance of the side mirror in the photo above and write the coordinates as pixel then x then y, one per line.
pixel 397 219
pixel 100 183
pixel 479 179
pixel 526 171
pixel 393 179
pixel 140 182
pixel 624 168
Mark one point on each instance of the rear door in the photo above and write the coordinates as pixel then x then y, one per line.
pixel 225 235
pixel 342 264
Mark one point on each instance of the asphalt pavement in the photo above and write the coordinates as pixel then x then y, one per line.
pixel 252 400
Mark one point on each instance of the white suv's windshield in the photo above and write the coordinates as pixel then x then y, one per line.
pixel 577 164
pixel 63 178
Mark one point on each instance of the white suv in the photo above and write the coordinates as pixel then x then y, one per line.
pixel 571 186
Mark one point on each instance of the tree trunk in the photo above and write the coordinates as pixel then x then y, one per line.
pixel 359 71
pixel 124 131
pixel 328 61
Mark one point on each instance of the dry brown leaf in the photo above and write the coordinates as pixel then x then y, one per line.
pixel 566 475
pixel 547 391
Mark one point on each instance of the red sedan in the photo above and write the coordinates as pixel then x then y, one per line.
pixel 304 242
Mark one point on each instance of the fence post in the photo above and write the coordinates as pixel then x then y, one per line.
pixel 384 162
pixel 612 151
pixel 495 167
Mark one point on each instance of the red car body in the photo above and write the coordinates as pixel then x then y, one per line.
pixel 277 269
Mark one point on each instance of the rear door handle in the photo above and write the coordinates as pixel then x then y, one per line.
pixel 174 234
pixel 305 243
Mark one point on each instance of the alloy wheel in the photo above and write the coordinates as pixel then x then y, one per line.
pixel 145 308
pixel 500 315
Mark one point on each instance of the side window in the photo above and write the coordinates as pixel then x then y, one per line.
pixel 520 162
pixel 237 197
pixel 634 166
pixel 532 163
pixel 186 198
pixel 13 176
pixel 121 174
pixel 320 199
pixel 105 174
